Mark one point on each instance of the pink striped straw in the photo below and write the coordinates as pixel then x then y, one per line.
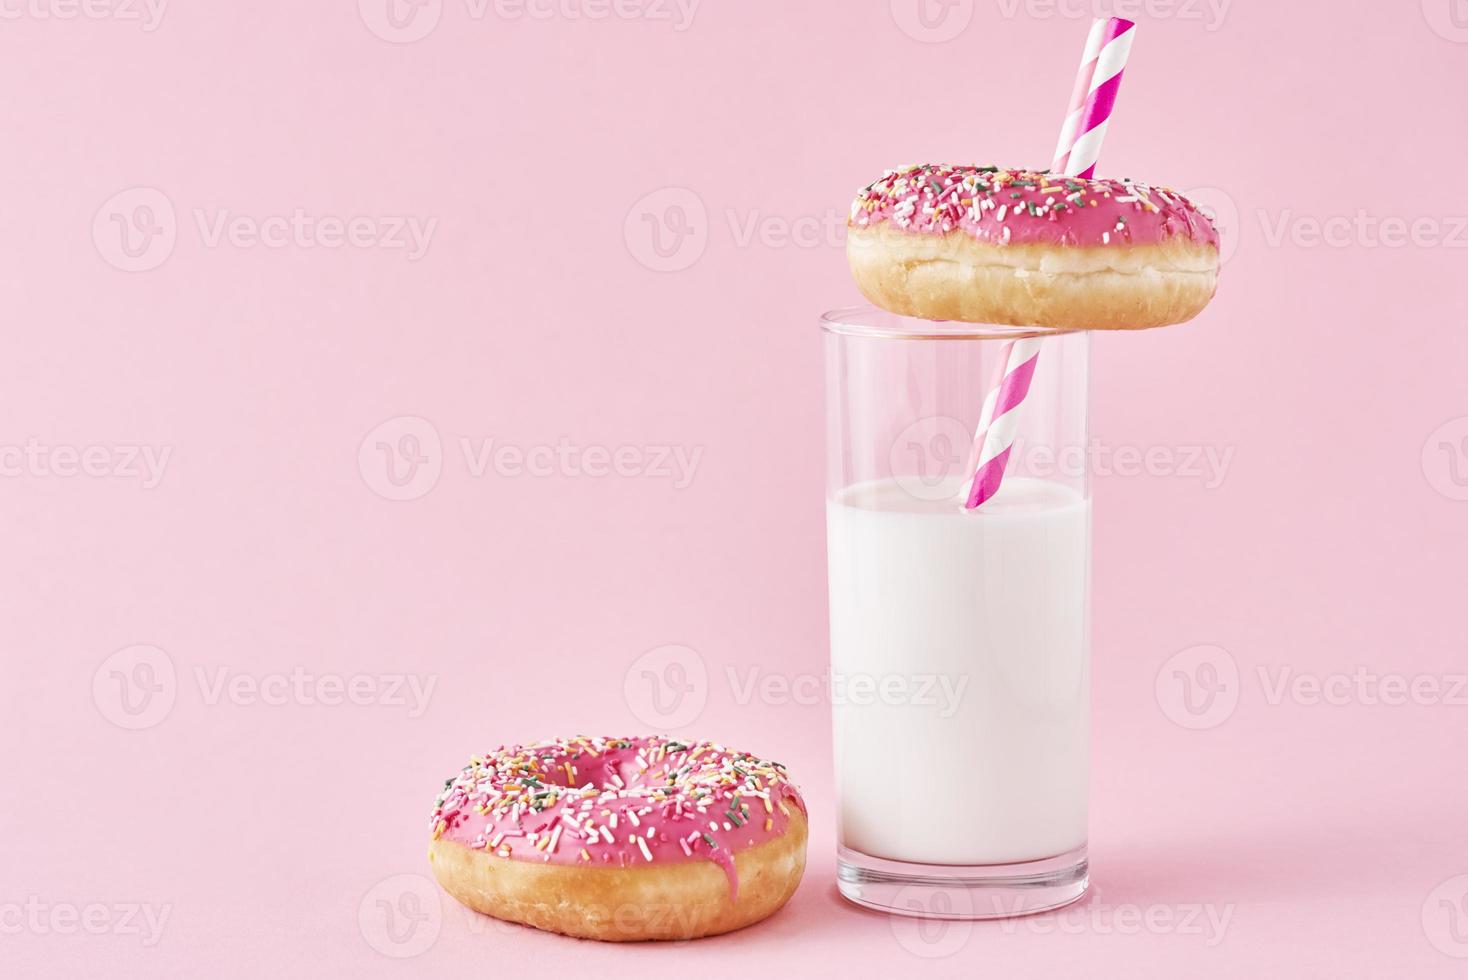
pixel 1078 95
pixel 1092 101
pixel 999 421
pixel 1094 111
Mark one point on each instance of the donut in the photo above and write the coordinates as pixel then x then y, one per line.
pixel 621 839
pixel 1029 248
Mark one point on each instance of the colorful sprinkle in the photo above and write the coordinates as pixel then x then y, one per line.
pixel 1020 206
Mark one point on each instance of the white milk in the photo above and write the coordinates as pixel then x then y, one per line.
pixel 991 607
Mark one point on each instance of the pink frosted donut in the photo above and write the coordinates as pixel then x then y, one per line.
pixel 1019 247
pixel 621 838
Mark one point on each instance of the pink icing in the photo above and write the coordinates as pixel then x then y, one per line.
pixel 1024 206
pixel 617 802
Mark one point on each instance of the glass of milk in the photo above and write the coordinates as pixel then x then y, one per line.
pixel 960 640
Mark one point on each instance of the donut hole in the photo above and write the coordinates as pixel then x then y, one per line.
pixel 612 770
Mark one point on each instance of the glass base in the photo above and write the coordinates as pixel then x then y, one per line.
pixel 944 891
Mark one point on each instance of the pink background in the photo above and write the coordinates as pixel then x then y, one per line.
pixel 274 836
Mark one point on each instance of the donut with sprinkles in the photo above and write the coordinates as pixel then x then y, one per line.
pixel 1031 248
pixel 621 839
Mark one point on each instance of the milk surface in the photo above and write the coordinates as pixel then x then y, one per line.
pixel 992 608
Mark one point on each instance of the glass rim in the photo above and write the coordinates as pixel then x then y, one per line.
pixel 874 322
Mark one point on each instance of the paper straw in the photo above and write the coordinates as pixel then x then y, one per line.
pixel 1092 101
pixel 1078 95
pixel 1100 99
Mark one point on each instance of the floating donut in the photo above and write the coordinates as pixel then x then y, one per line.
pixel 621 839
pixel 1024 248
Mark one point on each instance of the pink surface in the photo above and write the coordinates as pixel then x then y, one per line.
pixel 382 388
